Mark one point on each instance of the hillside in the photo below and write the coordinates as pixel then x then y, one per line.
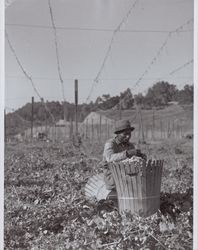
pixel 172 112
pixel 158 97
pixel 174 119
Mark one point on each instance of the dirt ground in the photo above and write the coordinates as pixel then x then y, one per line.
pixel 45 205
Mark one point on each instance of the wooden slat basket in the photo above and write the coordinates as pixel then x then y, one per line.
pixel 138 185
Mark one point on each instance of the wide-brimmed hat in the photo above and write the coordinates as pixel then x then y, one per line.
pixel 123 125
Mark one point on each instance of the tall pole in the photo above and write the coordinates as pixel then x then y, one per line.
pixel 138 116
pixel 76 105
pixel 65 117
pixel 153 125
pixel 100 129
pixel 120 108
pixel 32 117
pixel 141 124
pixel 5 125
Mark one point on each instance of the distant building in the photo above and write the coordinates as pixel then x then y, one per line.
pixel 97 125
pixel 98 117
pixel 62 123
pixel 173 103
pixel 18 137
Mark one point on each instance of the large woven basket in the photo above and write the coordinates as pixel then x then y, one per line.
pixel 138 186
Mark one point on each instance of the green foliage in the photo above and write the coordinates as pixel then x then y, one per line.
pixel 185 96
pixel 160 94
pixel 45 206
pixel 127 100
pixel 139 99
pixel 108 103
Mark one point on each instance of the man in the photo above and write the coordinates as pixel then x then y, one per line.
pixel 118 149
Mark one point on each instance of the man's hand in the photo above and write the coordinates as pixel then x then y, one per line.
pixel 143 156
pixel 132 152
pixel 136 152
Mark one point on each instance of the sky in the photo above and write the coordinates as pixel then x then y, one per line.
pixel 108 45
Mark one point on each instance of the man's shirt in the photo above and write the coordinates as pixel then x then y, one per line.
pixel 115 151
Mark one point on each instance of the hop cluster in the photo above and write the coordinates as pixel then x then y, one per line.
pixel 137 161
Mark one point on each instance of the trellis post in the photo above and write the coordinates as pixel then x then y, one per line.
pixel 76 104
pixel 32 118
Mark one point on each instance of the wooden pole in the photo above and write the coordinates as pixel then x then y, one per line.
pixel 120 109
pixel 92 130
pixel 46 123
pixel 153 124
pixel 139 127
pixel 107 132
pixel 161 129
pixel 55 134
pixel 32 118
pixel 65 119
pixel 173 128
pixel 168 130
pixel 5 132
pixel 181 128
pixel 146 131
pixel 100 130
pixel 42 99
pixel 86 134
pixel 141 124
pixel 177 129
pixel 71 128
pixel 108 129
pixel 76 105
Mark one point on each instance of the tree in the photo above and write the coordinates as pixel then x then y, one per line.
pixel 185 96
pixel 139 99
pixel 99 100
pixel 126 99
pixel 106 97
pixel 110 103
pixel 161 93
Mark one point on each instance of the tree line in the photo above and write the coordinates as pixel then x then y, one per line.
pixel 159 95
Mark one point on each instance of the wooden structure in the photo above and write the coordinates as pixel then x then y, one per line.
pixel 97 126
pixel 138 186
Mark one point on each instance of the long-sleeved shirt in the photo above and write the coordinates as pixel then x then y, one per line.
pixel 115 151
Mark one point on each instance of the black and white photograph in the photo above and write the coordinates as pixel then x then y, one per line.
pixel 99 124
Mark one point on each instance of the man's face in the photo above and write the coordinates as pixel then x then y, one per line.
pixel 125 136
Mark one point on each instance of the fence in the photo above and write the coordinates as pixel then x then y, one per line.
pixel 102 130
pixel 164 129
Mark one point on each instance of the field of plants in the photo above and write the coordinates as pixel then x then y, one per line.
pixel 45 205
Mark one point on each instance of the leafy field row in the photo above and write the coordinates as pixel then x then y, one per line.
pixel 45 206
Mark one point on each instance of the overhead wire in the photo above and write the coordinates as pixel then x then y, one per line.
pixel 27 75
pixel 181 67
pixel 91 29
pixel 96 80
pixel 177 30
pixel 91 79
pixel 57 51
pixel 170 74
pixel 159 51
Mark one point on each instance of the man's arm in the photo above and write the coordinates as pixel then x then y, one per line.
pixel 109 154
pixel 131 146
